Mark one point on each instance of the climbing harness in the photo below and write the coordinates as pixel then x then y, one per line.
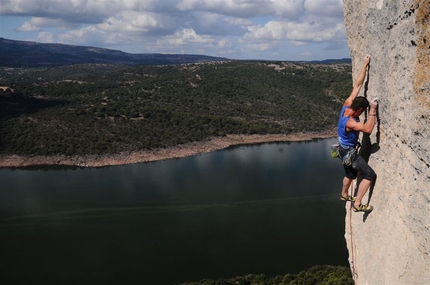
pixel 349 157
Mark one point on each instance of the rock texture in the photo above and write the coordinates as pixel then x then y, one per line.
pixel 391 245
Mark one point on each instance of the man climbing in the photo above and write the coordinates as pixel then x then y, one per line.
pixel 349 127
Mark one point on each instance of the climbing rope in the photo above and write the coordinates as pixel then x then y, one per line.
pixel 354 273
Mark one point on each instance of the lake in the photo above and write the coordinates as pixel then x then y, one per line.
pixel 270 208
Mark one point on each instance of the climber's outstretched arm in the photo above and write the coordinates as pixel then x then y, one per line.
pixel 359 82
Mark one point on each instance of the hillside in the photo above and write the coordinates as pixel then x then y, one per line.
pixel 98 109
pixel 391 244
pixel 33 54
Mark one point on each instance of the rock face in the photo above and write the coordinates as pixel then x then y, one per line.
pixel 391 245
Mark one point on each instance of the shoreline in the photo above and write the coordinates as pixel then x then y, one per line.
pixel 179 151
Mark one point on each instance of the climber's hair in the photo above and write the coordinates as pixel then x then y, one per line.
pixel 360 102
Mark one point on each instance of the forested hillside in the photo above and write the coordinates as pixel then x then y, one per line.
pixel 33 54
pixel 316 275
pixel 107 109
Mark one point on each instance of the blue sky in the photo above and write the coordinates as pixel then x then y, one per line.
pixel 236 29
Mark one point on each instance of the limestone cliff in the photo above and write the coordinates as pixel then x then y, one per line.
pixel 391 245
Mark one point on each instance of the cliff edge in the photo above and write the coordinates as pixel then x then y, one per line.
pixel 391 245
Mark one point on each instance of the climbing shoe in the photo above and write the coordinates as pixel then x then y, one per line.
pixel 363 208
pixel 347 198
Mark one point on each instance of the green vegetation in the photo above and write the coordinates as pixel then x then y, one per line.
pixel 106 109
pixel 316 275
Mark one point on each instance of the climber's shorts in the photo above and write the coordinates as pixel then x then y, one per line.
pixel 359 165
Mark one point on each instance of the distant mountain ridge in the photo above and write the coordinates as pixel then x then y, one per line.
pixel 32 54
pixel 328 61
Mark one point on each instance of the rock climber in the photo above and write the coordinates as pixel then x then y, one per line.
pixel 349 127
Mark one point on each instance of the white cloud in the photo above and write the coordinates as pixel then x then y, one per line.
pixel 157 6
pixel 224 43
pixel 237 8
pixel 306 31
pixel 38 23
pixel 215 24
pixel 45 37
pixel 130 21
pixel 186 36
pixel 246 8
pixel 298 43
pixel 82 11
pixel 88 36
pixel 213 27
pixel 276 30
pixel 262 47
pixel 326 8
pixel 292 9
pixel 28 27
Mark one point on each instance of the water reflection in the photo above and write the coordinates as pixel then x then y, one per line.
pixel 269 208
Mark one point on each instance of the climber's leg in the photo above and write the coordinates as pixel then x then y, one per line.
pixel 369 176
pixel 345 186
pixel 362 189
pixel 350 175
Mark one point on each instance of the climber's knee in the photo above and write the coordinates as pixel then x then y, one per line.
pixel 369 174
pixel 364 169
pixel 350 173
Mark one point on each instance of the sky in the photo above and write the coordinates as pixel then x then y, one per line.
pixel 235 29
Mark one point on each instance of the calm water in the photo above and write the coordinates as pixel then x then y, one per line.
pixel 270 208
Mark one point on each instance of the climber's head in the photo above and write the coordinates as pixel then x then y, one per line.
pixel 359 105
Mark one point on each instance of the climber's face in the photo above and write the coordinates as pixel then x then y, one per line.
pixel 358 112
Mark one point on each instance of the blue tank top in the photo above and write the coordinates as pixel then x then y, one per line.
pixel 350 138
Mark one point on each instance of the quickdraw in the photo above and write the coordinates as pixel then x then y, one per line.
pixel 349 157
